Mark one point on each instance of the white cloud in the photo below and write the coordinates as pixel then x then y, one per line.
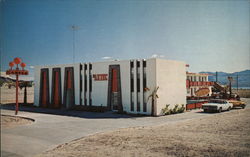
pixel 31 67
pixel 157 56
pixel 106 57
pixel 154 56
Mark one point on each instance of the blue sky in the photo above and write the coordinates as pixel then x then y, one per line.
pixel 207 35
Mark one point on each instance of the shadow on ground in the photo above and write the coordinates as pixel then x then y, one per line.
pixel 71 113
pixel 215 112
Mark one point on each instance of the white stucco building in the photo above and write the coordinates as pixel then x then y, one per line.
pixel 117 85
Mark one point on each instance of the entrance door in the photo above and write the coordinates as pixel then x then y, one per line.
pixel 69 94
pixel 44 88
pixel 56 99
pixel 114 89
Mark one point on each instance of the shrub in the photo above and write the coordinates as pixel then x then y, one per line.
pixel 166 110
pixel 177 109
pixel 181 109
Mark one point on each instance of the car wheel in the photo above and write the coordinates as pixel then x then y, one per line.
pixel 243 106
pixel 205 110
pixel 229 108
pixel 219 111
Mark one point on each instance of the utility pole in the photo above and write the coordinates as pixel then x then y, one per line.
pixel 230 79
pixel 237 78
pixel 216 77
pixel 74 28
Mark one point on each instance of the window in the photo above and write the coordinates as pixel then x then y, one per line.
pixel 90 77
pixel 138 76
pixel 138 102
pixel 132 85
pixel 138 84
pixel 131 76
pixel 90 84
pixel 144 87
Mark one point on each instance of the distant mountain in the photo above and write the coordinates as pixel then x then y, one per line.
pixel 243 78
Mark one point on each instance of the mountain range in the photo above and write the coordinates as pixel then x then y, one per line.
pixel 243 78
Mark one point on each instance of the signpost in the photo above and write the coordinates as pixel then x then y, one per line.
pixel 17 72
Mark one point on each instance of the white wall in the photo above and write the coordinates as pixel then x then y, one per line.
pixel 171 79
pixel 50 67
pixel 151 82
pixel 100 88
pixel 170 76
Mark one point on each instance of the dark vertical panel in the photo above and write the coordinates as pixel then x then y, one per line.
pixel 144 85
pixel 120 107
pixel 80 77
pixel 138 85
pixel 119 91
pixel 56 95
pixel 85 84
pixel 69 85
pixel 90 84
pixel 131 86
pixel 44 88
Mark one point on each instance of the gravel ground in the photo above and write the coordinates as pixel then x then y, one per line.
pixel 224 134
pixel 13 121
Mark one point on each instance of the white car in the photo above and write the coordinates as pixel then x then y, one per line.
pixel 217 105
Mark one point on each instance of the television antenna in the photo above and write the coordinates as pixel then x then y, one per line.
pixel 74 28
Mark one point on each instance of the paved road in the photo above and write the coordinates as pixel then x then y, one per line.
pixel 50 130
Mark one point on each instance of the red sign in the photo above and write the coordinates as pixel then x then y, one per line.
pixel 17 72
pixel 202 92
pixel 100 77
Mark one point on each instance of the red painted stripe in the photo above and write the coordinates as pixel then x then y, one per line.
pixel 114 80
pixel 44 93
pixel 69 83
pixel 56 94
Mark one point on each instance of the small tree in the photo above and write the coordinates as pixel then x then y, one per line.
pixel 25 84
pixel 153 97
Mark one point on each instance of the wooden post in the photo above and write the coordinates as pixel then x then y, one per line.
pixel 25 94
pixel 16 94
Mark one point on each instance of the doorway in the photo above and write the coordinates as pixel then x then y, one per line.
pixel 56 97
pixel 114 89
pixel 69 88
pixel 44 88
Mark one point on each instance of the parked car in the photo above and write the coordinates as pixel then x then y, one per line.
pixel 238 103
pixel 217 105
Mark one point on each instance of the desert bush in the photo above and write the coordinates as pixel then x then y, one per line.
pixel 181 109
pixel 166 110
pixel 177 109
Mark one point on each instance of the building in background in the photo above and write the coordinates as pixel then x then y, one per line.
pixel 198 85
pixel 116 85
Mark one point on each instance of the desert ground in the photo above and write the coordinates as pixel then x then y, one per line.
pixel 244 93
pixel 9 95
pixel 13 121
pixel 224 134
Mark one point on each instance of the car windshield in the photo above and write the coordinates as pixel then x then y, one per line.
pixel 217 101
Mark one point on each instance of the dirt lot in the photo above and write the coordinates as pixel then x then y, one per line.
pixel 13 121
pixel 9 95
pixel 224 134
pixel 244 93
